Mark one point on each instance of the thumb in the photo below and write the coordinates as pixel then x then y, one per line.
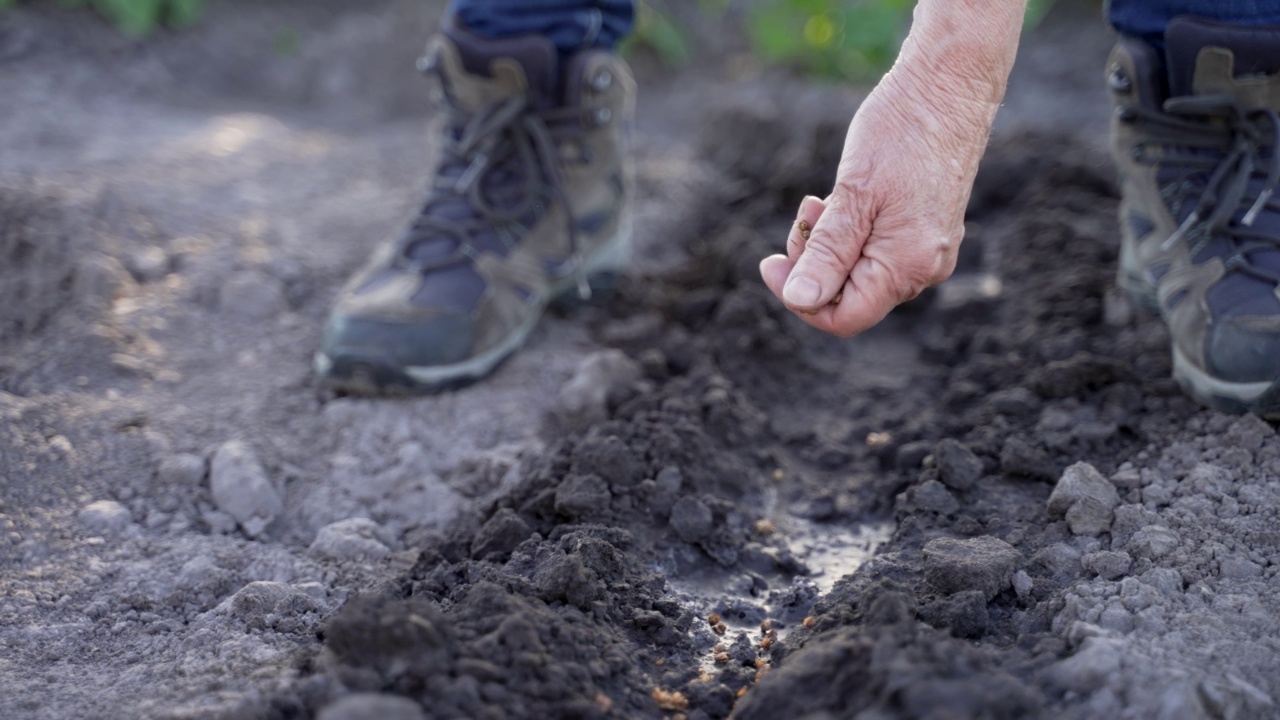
pixel 827 258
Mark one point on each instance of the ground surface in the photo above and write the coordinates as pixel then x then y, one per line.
pixel 190 528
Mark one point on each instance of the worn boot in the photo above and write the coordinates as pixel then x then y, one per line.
pixel 528 204
pixel 1195 135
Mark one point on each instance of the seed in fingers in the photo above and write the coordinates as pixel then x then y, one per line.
pixel 805 229
pixel 836 300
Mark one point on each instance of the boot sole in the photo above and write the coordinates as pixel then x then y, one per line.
pixel 1260 398
pixel 367 374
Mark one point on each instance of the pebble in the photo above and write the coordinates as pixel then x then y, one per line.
pixel 599 375
pixel 105 516
pixel 352 539
pixel 1107 565
pixel 983 563
pixel 691 519
pixel 1153 542
pixel 1085 498
pixel 252 294
pixel 933 496
pixel 1097 660
pixel 241 488
pixel 581 495
pixel 958 467
pixel 362 706
pixel 149 264
pixel 182 469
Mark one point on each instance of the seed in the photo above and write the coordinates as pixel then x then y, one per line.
pixel 810 621
pixel 805 229
pixel 766 643
pixel 836 300
pixel 719 628
pixel 742 691
pixel 765 527
pixel 719 648
pixel 766 625
pixel 713 619
pixel 722 658
pixel 879 439
pixel 603 702
pixel 778 475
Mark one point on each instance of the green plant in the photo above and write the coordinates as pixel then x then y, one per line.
pixel 139 17
pixel 851 39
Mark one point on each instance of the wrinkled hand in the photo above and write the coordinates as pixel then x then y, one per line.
pixel 892 225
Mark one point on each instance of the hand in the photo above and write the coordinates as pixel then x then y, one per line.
pixel 892 225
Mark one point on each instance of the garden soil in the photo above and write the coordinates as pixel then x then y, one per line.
pixel 677 502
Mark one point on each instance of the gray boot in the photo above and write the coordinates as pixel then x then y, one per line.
pixel 1197 154
pixel 528 203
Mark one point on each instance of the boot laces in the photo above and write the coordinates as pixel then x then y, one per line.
pixel 480 154
pixel 1216 147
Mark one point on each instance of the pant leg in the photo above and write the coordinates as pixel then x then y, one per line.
pixel 1145 19
pixel 571 24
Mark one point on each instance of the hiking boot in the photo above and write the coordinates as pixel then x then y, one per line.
pixel 526 205
pixel 1195 135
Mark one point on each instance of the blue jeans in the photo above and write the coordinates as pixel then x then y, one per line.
pixel 578 24
pixel 1145 19
pixel 571 24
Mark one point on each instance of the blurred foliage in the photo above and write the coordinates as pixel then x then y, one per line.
pixel 139 17
pixel 837 39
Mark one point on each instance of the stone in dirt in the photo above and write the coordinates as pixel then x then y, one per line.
pixel 105 516
pixel 958 467
pixel 600 375
pixel 1085 498
pixel 691 519
pixel 983 563
pixel 241 488
pixel 352 539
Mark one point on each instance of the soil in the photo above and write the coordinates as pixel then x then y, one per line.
pixel 678 502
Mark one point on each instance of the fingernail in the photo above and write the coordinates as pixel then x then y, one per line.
pixel 801 291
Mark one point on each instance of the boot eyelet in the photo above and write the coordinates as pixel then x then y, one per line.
pixel 1118 80
pixel 601 81
pixel 426 64
pixel 1125 114
pixel 602 116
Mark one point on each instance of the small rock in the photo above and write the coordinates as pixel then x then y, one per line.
pixel 1015 401
pixel 1107 564
pixel 1086 498
pixel 1097 660
pixel 581 495
pixel 1238 568
pixel 958 467
pixel 241 488
pixel 599 375
pixel 1021 458
pixel 149 264
pixel 362 706
pixel 501 534
pixel 105 516
pixel 252 294
pixel 1153 542
pixel 219 523
pixel 1060 559
pixel 910 455
pixel 983 563
pixel 933 496
pixel 352 539
pixel 691 519
pixel 1023 585
pixel 182 470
